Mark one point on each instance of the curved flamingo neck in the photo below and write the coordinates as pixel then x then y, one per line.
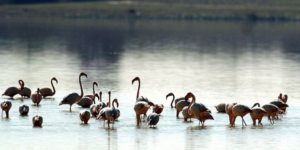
pixel 53 86
pixel 22 84
pixel 171 94
pixel 138 91
pixel 115 101
pixel 81 90
pixel 94 84
pixel 256 104
pixel 193 101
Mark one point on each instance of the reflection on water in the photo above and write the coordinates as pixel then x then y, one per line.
pixel 218 61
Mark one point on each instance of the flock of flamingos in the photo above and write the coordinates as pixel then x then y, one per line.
pixel 109 111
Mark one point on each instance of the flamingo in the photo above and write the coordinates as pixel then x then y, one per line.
pixel 221 108
pixel 86 102
pixel 272 111
pixel 107 113
pixel 95 109
pixel 176 100
pixel 240 110
pixel 228 110
pixel 115 109
pixel 37 121
pixel 23 109
pixel 142 104
pixel 25 92
pixel 257 114
pixel 158 108
pixel 84 116
pixel 206 116
pixel 36 97
pixel 5 106
pixel 280 104
pixel 12 91
pixel 47 91
pixel 185 114
pixel 180 105
pixel 74 97
pixel 94 94
pixel 196 110
pixel 152 119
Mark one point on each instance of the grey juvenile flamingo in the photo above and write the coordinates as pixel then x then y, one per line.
pixel 36 97
pixel 257 114
pixel 5 106
pixel 12 91
pixel 25 92
pixel 23 110
pixel 240 110
pixel 152 119
pixel 84 116
pixel 47 91
pixel 197 110
pixel 37 121
pixel 142 104
pixel 74 97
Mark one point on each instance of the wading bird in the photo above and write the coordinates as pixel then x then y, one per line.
pixel 84 116
pixel 37 121
pixel 12 91
pixel 23 110
pixel 197 110
pixel 221 108
pixel 142 104
pixel 152 119
pixel 228 109
pixel 240 110
pixel 45 92
pixel 257 114
pixel 173 99
pixel 86 102
pixel 5 106
pixel 94 94
pixel 25 92
pixel 36 97
pixel 74 97
pixel 272 111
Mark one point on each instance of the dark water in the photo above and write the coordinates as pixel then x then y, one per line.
pixel 217 61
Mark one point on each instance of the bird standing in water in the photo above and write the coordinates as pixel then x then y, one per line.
pixel 45 92
pixel 74 97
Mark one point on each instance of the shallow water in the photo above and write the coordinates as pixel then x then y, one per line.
pixel 217 61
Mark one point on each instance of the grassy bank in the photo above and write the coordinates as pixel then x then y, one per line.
pixel 155 10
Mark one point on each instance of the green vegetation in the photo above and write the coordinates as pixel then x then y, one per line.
pixel 276 10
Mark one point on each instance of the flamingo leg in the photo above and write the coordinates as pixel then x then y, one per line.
pixel 70 108
pixel 7 114
pixel 137 120
pixel 2 113
pixel 244 121
pixel 177 114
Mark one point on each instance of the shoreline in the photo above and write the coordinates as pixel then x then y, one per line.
pixel 151 11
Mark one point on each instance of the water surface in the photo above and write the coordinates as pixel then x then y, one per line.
pixel 217 61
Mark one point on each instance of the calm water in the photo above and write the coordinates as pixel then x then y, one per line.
pixel 217 61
